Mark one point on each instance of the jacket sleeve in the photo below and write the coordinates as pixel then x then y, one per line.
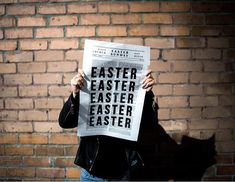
pixel 68 117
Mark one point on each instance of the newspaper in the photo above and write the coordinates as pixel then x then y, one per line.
pixel 111 101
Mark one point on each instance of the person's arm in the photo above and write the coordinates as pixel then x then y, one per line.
pixel 68 117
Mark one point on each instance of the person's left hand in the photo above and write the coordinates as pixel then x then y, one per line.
pixel 148 81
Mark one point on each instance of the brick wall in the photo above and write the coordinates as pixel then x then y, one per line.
pixel 41 47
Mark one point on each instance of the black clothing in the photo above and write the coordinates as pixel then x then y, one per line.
pixel 109 157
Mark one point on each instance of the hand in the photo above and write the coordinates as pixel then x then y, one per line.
pixel 77 82
pixel 148 81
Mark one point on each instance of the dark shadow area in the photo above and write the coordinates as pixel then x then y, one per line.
pixel 164 159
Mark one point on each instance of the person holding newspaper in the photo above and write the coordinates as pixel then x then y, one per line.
pixel 104 158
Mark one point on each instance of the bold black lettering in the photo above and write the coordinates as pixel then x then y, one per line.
pixel 120 120
pixel 91 122
pixel 108 97
pixel 121 109
pixel 116 84
pixel 128 123
pixel 125 72
pixel 110 72
pixel 93 71
pixel 128 110
pixel 101 85
pixel 124 84
pixel 130 98
pixel 114 108
pixel 107 109
pixel 115 96
pixel 122 98
pixel 99 109
pixel 92 110
pixel 100 97
pixel 99 121
pixel 113 120
pixel 93 97
pixel 132 86
pixel 133 73
pixel 93 85
pixel 118 72
pixel 106 120
pixel 109 85
pixel 102 72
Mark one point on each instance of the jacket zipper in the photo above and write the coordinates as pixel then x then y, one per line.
pixel 97 151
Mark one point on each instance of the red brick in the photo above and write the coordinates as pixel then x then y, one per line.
pixel 174 125
pixel 160 42
pixel 171 101
pixel 200 124
pixel 49 32
pixel 203 77
pixel 21 150
pixel 226 170
pixel 224 158
pixel 8 115
pixel 32 91
pixel 2 10
pixel 33 44
pixel 219 19
pixel 215 112
pixel 72 172
pixel 63 139
pixel 162 89
pixel 213 7
pixel 64 162
pixel 29 115
pixel 64 44
pixel 157 18
pixel 17 79
pixel 48 150
pixel 7 68
pixel 126 19
pixel 82 8
pixel 46 127
pixel 21 172
pixel 8 138
pixel 19 33
pixel 173 78
pixel 51 9
pixel 112 31
pixel 218 89
pixel 129 40
pixel 188 19
pixel 21 56
pixel 20 10
pixel 186 113
pixel 227 100
pixel 160 66
pixel 8 45
pixel 8 91
pixel 139 30
pixel 174 30
pixel 163 113
pixel 218 42
pixel 49 55
pixel 59 90
pixel 31 21
pixel 31 67
pixel 178 54
pixel 81 31
pixel 206 30
pixel 214 66
pixel 187 66
pixel 63 20
pixel 187 90
pixel 7 22
pixel 50 172
pixel 144 6
pixel 90 19
pixel 175 6
pixel 74 55
pixel 50 103
pixel 10 161
pixel 18 103
pixel 36 161
pixel 33 139
pixel 113 7
pixel 43 78
pixel 190 42
pixel 68 66
pixel 227 123
pixel 203 101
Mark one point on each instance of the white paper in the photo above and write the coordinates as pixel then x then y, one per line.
pixel 111 101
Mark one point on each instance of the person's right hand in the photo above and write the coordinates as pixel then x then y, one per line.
pixel 77 82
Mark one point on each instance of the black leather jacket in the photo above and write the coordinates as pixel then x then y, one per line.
pixel 109 157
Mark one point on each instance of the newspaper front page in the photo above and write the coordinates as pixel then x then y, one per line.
pixel 111 101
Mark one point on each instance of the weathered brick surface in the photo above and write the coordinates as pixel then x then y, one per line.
pixel 41 48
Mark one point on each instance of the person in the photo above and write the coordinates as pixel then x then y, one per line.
pixel 104 158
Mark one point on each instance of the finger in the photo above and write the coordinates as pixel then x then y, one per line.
pixel 148 83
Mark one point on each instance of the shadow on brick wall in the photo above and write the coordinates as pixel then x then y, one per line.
pixel 164 159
